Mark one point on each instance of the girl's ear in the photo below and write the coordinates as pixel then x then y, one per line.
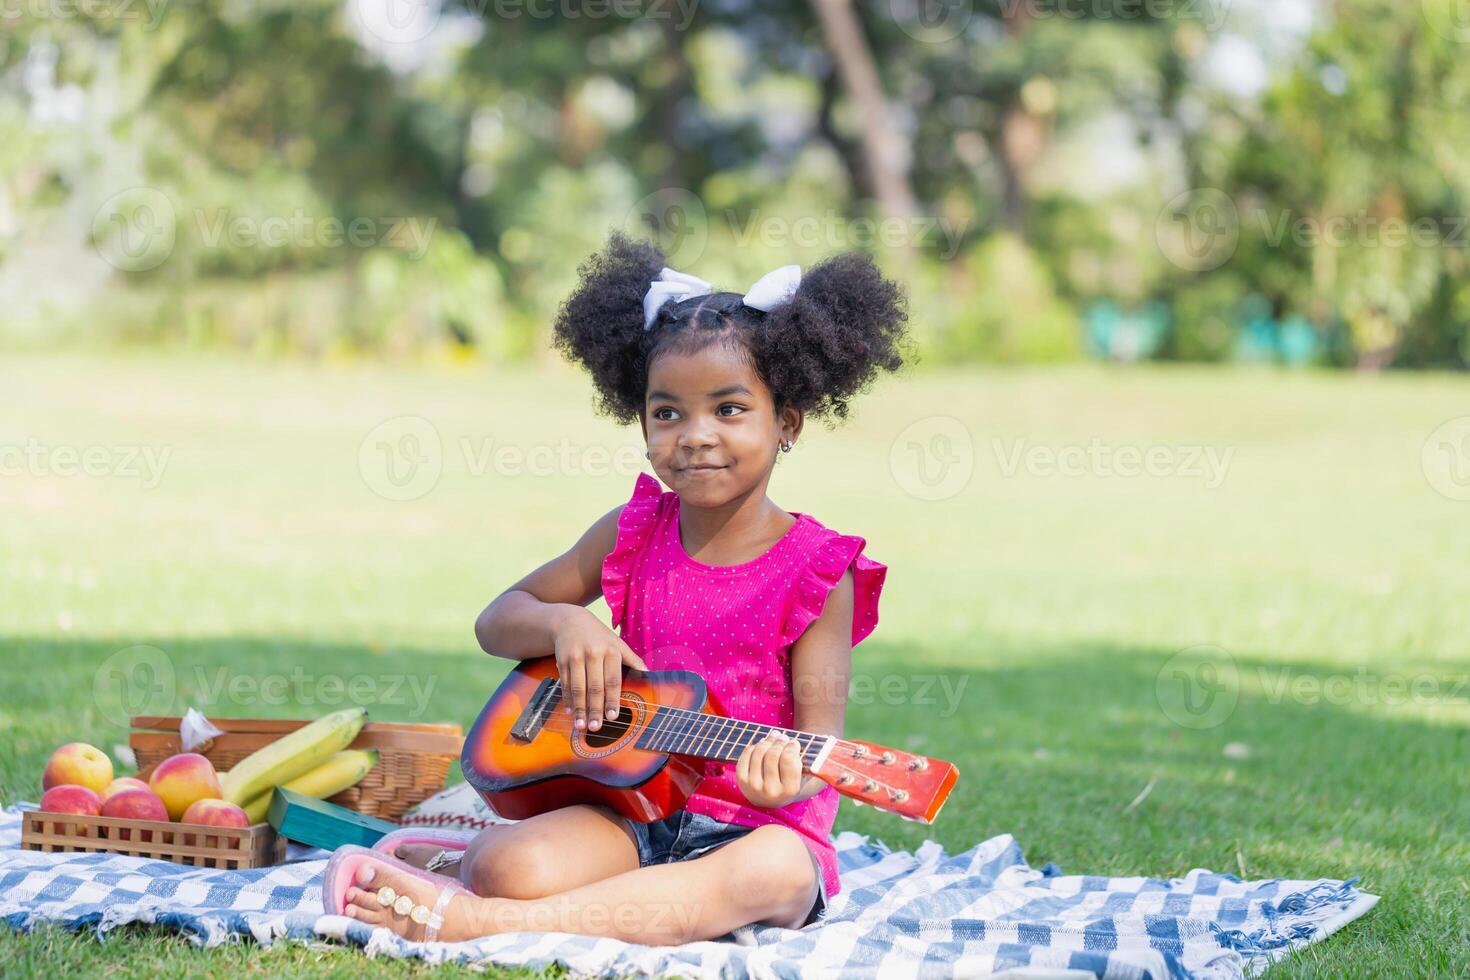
pixel 790 422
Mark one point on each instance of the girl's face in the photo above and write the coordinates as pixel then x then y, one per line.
pixel 711 424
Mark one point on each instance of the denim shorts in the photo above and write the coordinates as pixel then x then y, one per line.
pixel 683 835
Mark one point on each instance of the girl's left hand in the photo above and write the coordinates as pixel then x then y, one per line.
pixel 769 771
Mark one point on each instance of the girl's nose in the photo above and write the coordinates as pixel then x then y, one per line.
pixel 697 436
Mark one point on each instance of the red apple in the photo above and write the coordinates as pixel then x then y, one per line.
pixel 213 813
pixel 71 799
pixel 78 764
pixel 181 780
pixel 216 813
pixel 135 804
pixel 120 784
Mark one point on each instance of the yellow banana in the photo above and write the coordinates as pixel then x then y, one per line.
pixel 328 779
pixel 336 774
pixel 257 809
pixel 293 755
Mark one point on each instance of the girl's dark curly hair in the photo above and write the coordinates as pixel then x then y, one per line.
pixel 816 351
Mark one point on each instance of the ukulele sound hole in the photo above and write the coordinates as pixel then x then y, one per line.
pixel 610 731
pixel 615 735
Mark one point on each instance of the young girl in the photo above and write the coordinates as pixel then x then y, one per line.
pixel 710 576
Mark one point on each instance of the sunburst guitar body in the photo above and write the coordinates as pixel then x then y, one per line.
pixel 524 756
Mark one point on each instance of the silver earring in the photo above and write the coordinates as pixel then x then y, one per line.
pixel 645 454
pixel 786 447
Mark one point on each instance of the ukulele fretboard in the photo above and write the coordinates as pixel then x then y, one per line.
pixel 714 737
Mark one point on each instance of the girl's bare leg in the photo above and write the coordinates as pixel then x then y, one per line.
pixel 543 855
pixel 549 853
pixel 765 877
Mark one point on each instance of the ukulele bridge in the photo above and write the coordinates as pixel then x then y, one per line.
pixel 533 716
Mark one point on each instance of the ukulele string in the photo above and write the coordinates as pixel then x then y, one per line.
pixel 832 761
pixel 728 741
pixel 731 737
pixel 681 713
pixel 677 714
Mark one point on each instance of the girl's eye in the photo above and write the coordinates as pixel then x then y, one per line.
pixel 659 414
pixel 737 408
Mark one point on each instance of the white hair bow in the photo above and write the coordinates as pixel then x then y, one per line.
pixel 769 291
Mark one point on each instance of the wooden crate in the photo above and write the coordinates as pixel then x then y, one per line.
pixel 200 845
pixel 413 760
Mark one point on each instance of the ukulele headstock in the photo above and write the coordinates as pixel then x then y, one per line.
pixel 912 786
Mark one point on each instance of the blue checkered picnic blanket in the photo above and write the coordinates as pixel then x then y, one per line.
pixel 899 914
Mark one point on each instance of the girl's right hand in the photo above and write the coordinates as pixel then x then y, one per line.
pixel 590 658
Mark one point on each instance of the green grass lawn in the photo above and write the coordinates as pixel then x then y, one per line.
pixel 1027 627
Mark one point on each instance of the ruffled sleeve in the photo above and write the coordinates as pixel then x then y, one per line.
pixel 821 575
pixel 635 527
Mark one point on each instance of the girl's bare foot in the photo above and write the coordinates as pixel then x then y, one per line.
pixel 466 916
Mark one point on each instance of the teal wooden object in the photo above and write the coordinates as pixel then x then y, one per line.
pixel 322 824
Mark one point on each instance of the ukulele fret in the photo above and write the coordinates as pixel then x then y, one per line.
pixel 715 737
pixel 725 734
pixel 663 729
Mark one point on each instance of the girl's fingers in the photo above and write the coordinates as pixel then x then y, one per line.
pixel 612 687
pixel 577 675
pixel 771 761
pixel 745 769
pixel 632 659
pixel 594 692
pixel 791 765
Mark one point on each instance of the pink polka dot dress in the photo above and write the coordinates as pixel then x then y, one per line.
pixel 734 625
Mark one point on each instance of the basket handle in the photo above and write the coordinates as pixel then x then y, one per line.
pixel 372 736
pixel 283 726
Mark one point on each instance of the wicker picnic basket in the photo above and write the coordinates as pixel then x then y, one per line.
pixel 413 760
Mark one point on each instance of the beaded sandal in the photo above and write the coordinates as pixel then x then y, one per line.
pixel 341 874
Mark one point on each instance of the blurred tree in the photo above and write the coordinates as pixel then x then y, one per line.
pixel 1021 142
pixel 1352 187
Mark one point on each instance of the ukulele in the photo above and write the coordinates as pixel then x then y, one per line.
pixel 524 756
